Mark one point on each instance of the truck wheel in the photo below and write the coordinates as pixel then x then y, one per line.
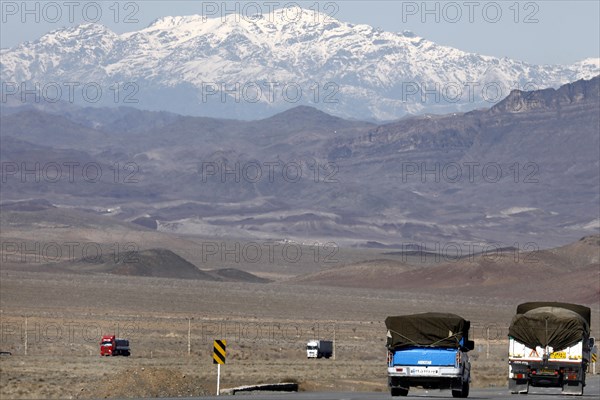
pixel 395 392
pixel 463 393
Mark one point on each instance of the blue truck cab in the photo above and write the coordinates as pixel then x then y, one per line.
pixel 429 350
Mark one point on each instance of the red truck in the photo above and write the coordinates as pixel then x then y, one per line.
pixel 113 346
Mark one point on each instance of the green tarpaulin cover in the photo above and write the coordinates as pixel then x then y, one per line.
pixel 558 325
pixel 427 329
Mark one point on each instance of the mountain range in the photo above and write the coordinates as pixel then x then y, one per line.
pixel 522 173
pixel 248 68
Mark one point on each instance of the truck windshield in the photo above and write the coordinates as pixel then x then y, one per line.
pixel 107 343
pixel 311 347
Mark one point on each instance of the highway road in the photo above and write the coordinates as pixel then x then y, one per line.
pixel 592 390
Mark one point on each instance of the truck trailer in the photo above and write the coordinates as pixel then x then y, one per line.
pixel 319 349
pixel 428 350
pixel 549 345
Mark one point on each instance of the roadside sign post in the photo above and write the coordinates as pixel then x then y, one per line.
pixel 594 359
pixel 219 354
pixel 218 378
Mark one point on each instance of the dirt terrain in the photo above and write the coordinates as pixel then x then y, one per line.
pixel 53 310
pixel 266 326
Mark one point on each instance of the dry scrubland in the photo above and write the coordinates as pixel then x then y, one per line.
pixel 266 327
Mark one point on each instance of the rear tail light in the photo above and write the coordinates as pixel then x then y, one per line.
pixel 399 369
pixel 570 375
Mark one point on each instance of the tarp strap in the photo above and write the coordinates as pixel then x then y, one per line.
pixel 429 345
pixel 449 337
pixel 407 339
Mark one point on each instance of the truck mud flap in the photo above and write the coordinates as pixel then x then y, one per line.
pixel 573 388
pixel 518 386
pixel 463 392
pixel 397 392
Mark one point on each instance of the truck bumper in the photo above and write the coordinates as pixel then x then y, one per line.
pixel 566 375
pixel 428 378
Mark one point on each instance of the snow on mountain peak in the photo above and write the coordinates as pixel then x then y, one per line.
pixel 344 69
pixel 291 15
pixel 589 62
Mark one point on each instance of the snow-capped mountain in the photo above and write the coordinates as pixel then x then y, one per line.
pixel 254 67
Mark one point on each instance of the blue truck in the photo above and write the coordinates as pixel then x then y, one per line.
pixel 428 350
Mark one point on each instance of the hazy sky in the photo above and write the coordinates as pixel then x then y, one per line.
pixel 541 32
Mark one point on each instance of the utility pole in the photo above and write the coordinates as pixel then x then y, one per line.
pixel 25 335
pixel 334 341
pixel 189 336
pixel 487 334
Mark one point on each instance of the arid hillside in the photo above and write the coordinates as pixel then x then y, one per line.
pixel 568 273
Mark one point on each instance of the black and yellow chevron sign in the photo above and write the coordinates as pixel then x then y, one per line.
pixel 219 351
pixel 594 357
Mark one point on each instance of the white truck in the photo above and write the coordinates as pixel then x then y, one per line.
pixel 549 346
pixel 319 348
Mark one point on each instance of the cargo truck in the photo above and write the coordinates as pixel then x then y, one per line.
pixel 113 346
pixel 549 345
pixel 319 349
pixel 428 350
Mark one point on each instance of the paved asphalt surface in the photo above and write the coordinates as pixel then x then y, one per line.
pixel 592 390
